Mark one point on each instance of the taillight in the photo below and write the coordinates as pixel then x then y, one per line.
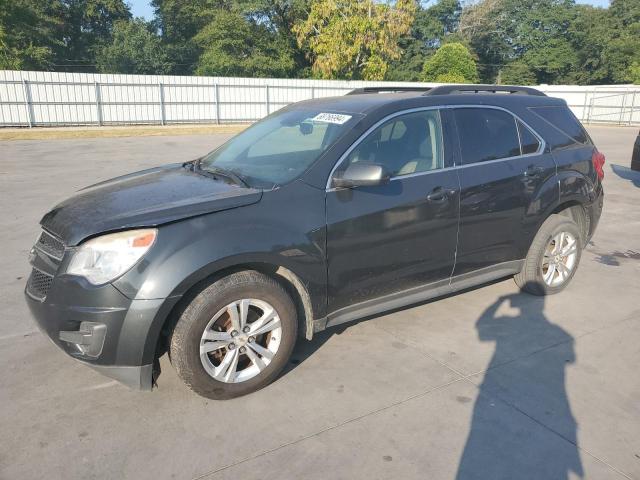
pixel 598 163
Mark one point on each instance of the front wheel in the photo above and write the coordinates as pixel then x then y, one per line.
pixel 553 257
pixel 235 336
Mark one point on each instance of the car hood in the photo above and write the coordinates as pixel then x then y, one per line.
pixel 143 199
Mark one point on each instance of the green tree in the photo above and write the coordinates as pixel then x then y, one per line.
pixel 536 31
pixel 634 73
pixel 452 63
pixel 88 26
pixel 29 34
pixel 431 26
pixel 517 72
pixel 135 48
pixel 590 33
pixel 233 46
pixel 279 17
pixel 186 27
pixel 354 39
pixel 179 22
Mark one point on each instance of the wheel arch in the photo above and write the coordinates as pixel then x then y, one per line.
pixel 290 281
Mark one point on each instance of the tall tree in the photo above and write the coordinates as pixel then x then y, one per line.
pixel 452 63
pixel 135 48
pixel 234 46
pixel 534 31
pixel 88 26
pixel 29 34
pixel 279 17
pixel 431 26
pixel 179 21
pixel 354 39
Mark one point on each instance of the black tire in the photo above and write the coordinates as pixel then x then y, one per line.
pixel 530 278
pixel 184 347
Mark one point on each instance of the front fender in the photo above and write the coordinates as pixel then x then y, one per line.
pixel 285 229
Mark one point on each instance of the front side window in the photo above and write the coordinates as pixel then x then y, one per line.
pixel 281 147
pixel 406 144
pixel 486 134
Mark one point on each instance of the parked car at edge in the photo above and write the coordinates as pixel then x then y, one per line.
pixel 325 212
pixel 635 157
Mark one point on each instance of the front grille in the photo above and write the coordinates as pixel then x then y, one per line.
pixel 50 245
pixel 39 284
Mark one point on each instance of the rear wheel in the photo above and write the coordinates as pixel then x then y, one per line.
pixel 553 257
pixel 235 336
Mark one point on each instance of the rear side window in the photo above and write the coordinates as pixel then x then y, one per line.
pixel 569 128
pixel 486 134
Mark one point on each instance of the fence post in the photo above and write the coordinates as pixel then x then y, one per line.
pixel 163 118
pixel 267 98
pixel 98 103
pixel 27 101
pixel 313 92
pixel 217 91
pixel 633 107
pixel 593 94
pixel 624 101
pixel 584 106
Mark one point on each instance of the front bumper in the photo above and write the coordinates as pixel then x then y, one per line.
pixel 100 327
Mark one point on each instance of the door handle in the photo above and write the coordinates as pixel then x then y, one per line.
pixel 438 194
pixel 533 171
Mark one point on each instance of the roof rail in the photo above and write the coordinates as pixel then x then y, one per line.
pixel 509 89
pixel 389 89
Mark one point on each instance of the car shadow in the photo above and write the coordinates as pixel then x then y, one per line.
pixel 498 449
pixel 305 348
pixel 626 174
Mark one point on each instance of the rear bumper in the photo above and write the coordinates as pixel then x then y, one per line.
pixel 100 327
pixel 595 211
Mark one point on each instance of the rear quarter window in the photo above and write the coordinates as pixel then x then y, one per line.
pixel 567 128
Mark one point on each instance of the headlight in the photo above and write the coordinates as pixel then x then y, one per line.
pixel 105 258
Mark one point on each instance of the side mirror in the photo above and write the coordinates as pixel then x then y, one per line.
pixel 362 175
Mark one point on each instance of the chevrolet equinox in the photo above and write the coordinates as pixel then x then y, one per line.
pixel 324 212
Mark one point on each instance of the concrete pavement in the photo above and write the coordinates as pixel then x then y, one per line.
pixel 487 384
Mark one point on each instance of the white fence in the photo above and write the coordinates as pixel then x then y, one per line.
pixel 59 99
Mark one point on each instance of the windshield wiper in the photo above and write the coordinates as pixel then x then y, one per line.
pixel 223 172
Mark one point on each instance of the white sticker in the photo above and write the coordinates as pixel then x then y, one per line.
pixel 336 118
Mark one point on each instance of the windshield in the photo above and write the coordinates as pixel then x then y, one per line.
pixel 279 148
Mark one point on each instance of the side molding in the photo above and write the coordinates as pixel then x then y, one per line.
pixel 418 294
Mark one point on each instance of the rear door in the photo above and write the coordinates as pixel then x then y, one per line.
pixel 502 165
pixel 393 237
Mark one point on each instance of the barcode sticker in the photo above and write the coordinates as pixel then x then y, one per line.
pixel 336 118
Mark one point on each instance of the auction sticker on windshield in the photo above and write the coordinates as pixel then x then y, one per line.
pixel 336 118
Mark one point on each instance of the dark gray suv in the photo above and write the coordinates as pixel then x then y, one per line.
pixel 324 212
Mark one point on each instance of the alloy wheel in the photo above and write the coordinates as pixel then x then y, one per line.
pixel 559 259
pixel 240 340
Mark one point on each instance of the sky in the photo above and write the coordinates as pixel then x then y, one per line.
pixel 142 8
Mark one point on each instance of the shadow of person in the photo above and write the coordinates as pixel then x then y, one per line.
pixel 506 442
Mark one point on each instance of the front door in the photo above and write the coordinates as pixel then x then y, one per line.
pixel 393 237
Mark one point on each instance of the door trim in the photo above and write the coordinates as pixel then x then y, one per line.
pixel 418 294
